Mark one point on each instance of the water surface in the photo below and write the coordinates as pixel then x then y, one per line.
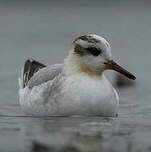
pixel 44 30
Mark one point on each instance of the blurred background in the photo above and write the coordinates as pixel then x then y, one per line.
pixel 44 30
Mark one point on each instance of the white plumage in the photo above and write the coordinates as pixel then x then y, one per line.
pixel 77 87
pixel 77 95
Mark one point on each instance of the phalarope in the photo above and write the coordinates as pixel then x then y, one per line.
pixel 76 87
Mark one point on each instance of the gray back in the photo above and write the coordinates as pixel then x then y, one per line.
pixel 46 74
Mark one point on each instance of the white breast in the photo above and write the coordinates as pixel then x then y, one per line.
pixel 88 96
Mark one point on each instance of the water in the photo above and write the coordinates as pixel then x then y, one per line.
pixel 44 30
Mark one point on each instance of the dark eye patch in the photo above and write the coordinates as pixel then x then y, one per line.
pixel 94 51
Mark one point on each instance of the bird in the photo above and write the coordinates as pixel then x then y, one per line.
pixel 77 86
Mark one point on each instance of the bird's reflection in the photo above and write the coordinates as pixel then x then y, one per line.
pixel 73 134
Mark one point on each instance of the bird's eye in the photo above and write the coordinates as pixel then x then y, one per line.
pixel 94 51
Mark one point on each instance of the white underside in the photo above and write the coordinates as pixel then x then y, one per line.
pixel 80 95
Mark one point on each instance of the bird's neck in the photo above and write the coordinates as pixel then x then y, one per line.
pixel 73 66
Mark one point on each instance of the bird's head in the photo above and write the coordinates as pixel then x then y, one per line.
pixel 93 55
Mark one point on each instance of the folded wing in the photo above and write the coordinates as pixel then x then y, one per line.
pixel 30 68
pixel 36 73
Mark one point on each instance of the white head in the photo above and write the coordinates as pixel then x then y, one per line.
pixel 92 54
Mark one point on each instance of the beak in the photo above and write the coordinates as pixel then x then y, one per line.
pixel 114 66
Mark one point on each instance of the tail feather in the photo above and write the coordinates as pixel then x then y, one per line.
pixel 30 67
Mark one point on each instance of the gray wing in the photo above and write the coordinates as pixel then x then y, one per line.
pixel 46 74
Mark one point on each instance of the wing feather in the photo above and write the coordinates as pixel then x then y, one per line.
pixel 45 74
